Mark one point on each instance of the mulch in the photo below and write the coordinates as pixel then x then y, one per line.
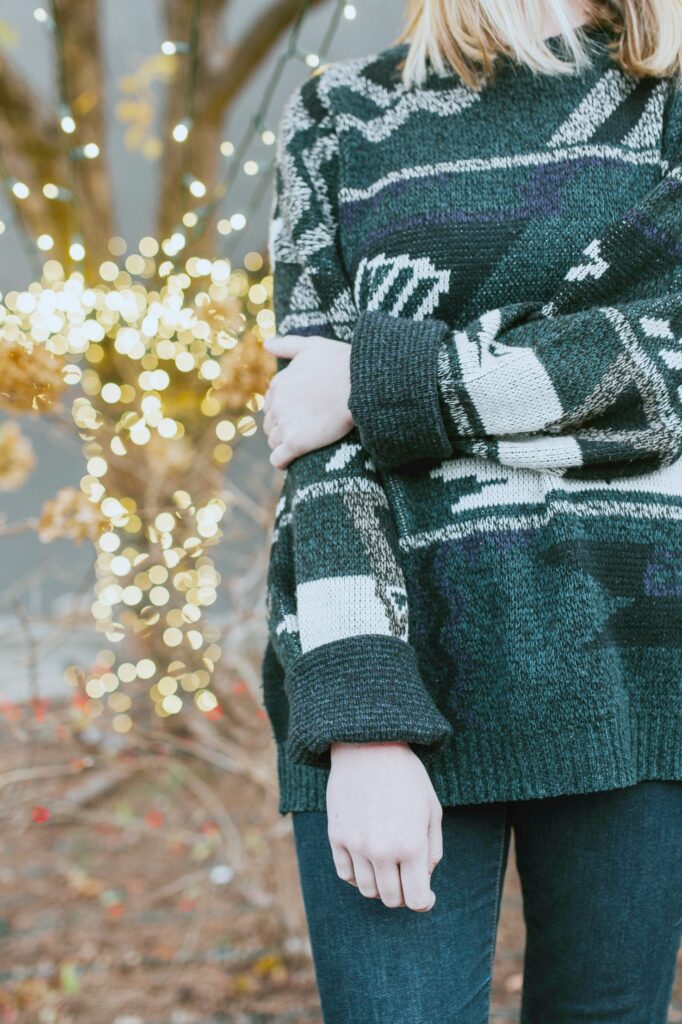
pixel 125 908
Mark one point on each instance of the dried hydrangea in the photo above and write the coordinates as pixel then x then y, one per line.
pixel 16 456
pixel 70 514
pixel 31 380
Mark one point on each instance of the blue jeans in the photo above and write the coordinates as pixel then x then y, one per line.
pixel 601 876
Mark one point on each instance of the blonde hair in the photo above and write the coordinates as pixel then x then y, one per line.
pixel 466 36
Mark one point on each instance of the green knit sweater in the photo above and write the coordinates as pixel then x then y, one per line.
pixel 489 565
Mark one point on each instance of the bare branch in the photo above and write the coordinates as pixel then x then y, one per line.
pixel 222 74
pixel 31 152
pixel 199 155
pixel 244 58
pixel 81 73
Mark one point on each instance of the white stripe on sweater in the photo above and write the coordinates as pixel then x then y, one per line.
pixel 501 163
pixel 601 101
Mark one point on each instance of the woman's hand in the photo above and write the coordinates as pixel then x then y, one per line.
pixel 306 404
pixel 384 822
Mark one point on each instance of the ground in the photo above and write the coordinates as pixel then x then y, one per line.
pixel 120 902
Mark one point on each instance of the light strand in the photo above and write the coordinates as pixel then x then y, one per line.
pixel 68 126
pixel 258 121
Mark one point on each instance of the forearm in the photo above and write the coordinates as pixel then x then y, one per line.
pixel 337 605
pixel 339 615
pixel 597 366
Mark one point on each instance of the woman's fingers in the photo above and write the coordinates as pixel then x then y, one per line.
pixel 268 421
pixel 280 457
pixel 364 875
pixel 387 876
pixel 343 862
pixel 308 399
pixel 397 885
pixel 286 347
pixel 274 435
pixel 270 413
pixel 416 882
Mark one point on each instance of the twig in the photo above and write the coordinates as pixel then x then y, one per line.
pixel 234 493
pixel 31 774
pixel 99 785
pixel 220 759
pixel 216 808
pixel 11 530
pixel 172 887
pixel 31 659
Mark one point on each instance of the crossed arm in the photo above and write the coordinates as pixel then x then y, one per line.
pixel 338 616
pixel 587 384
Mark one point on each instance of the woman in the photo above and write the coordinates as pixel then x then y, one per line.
pixel 475 587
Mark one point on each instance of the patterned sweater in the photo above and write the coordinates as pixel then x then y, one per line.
pixel 489 565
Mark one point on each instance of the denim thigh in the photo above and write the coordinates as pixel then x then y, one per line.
pixel 375 964
pixel 601 875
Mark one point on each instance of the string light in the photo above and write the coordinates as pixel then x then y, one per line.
pixel 256 126
pixel 181 130
pixel 148 246
pixel 152 567
pixel 45 242
pixel 196 187
pixel 10 184
pixel 52 191
pixel 91 150
pixel 170 47
pixel 172 246
pixel 68 125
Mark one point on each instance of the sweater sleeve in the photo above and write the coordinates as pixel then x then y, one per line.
pixel 587 384
pixel 337 606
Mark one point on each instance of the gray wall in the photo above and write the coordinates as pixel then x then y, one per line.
pixel 37 575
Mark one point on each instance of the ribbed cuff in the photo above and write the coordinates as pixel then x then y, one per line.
pixel 394 396
pixel 477 766
pixel 360 689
